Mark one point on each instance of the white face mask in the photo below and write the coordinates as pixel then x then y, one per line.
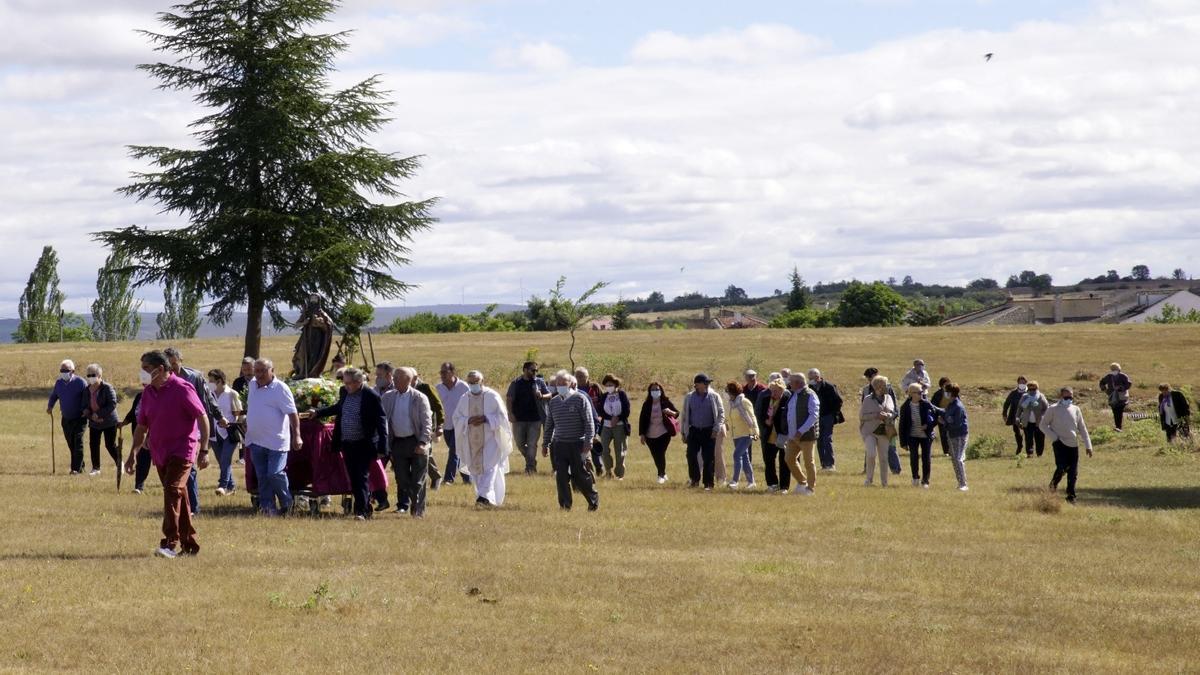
pixel 475 388
pixel 655 394
pixel 610 389
pixel 210 387
pixel 144 377
pixel 563 389
pixel 93 379
pixel 1022 388
pixel 64 376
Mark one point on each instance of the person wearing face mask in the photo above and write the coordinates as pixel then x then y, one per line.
pixel 656 426
pixel 1012 404
pixel 100 409
pixel 172 414
pixel 614 425
pixel 939 400
pixel 360 434
pixel 917 375
pixel 957 429
pixel 592 390
pixel 483 438
pixel 772 417
pixel 1030 410
pixel 570 428
pixel 743 429
pixel 68 393
pixel 1174 413
pixel 700 420
pixel 228 436
pixel 193 376
pixel 1063 424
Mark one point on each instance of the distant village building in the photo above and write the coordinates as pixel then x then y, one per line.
pixel 604 323
pixel 1095 303
pixel 722 319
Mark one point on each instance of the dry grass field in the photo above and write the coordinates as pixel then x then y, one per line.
pixel 660 579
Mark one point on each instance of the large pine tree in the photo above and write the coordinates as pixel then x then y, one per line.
pixel 278 193
pixel 41 304
pixel 115 312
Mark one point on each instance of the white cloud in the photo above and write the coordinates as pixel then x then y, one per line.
pixel 542 56
pixel 761 43
pixel 1072 152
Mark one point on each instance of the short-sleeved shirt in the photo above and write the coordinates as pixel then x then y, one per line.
pixel 169 414
pixel 450 397
pixel 526 397
pixel 267 410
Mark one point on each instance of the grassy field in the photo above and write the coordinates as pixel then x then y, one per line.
pixel 661 578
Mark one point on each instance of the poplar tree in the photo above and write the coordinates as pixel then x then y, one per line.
pixel 278 189
pixel 41 305
pixel 115 314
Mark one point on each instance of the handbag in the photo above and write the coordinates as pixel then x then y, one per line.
pixel 672 425
pixel 889 428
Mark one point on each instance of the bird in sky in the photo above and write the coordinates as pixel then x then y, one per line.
pixel 988 56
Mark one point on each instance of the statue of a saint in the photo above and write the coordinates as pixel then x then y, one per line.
pixel 316 336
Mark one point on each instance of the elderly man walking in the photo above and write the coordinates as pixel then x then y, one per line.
pixel 483 438
pixel 272 428
pixel 451 390
pixel 410 423
pixel 172 414
pixel 197 380
pixel 701 419
pixel 919 376
pixel 525 398
pixel 570 427
pixel 1063 424
pixel 68 394
pixel 803 415
pixel 831 416
pixel 360 433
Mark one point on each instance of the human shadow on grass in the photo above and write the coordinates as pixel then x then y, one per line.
pixel 29 555
pixel 1154 498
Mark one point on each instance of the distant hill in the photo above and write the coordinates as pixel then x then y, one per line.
pixel 237 325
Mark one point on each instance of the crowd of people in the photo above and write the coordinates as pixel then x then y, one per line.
pixel 584 428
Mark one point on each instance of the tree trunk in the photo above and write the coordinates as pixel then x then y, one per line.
pixel 254 312
pixel 571 352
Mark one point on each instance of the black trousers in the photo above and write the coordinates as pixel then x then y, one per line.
pixel 775 461
pixel 73 431
pixel 1066 462
pixel 411 470
pixel 1035 439
pixel 1118 414
pixel 110 444
pixel 922 447
pixel 943 439
pixel 142 469
pixel 567 460
pixel 1019 434
pixel 358 456
pixel 658 450
pixel 701 446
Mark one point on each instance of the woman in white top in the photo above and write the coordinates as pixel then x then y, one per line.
pixel 228 436
pixel 878 412
pixel 614 424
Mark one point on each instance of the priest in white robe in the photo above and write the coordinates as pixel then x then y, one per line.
pixel 484 440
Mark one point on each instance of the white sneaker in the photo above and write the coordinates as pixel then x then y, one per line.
pixel 866 483
pixel 94 472
pixel 772 488
pixel 136 491
pixel 799 489
pixel 221 492
pixel 806 492
pixel 916 482
pixel 924 486
pixel 662 479
pixel 963 488
pixel 241 461
pixel 733 486
pixel 167 553
pixel 752 486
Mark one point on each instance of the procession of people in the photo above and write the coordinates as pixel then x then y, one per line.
pixel 181 417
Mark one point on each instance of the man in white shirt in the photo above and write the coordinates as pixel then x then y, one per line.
pixel 451 390
pixel 485 437
pixel 410 426
pixel 1063 425
pixel 272 428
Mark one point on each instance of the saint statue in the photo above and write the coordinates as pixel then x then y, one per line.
pixel 316 337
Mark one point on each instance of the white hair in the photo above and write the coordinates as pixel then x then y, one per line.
pixel 813 373
pixel 265 363
pixel 572 381
pixel 799 377
pixel 68 363
pixel 565 374
pixel 582 371
pixel 356 374
pixel 407 370
pixel 774 376
pixel 96 367
pixel 475 374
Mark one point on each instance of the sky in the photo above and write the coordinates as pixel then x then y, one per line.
pixel 677 146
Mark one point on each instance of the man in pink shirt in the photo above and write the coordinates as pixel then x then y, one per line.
pixel 173 416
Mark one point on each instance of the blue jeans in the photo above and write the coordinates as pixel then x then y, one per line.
pixel 270 466
pixel 452 458
pixel 825 441
pixel 741 459
pixel 193 492
pixel 223 449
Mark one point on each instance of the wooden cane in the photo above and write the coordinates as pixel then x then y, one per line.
pixel 53 461
pixel 120 455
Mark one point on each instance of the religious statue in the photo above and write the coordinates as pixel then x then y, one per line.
pixel 316 337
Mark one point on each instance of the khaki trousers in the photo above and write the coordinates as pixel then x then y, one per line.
pixel 796 448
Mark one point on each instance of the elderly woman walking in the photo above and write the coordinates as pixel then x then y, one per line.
pixel 1030 410
pixel 657 425
pixel 100 409
pixel 614 425
pixel 876 424
pixel 956 429
pixel 918 419
pixel 743 429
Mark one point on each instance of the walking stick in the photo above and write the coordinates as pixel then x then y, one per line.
pixel 371 344
pixel 53 461
pixel 120 455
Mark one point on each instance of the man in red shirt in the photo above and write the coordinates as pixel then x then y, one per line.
pixel 174 417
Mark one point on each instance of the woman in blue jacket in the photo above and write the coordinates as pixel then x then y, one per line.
pixel 956 430
pixel 918 420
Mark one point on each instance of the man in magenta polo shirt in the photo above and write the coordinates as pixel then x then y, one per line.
pixel 173 416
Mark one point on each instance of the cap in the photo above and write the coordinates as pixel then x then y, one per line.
pixel 701 379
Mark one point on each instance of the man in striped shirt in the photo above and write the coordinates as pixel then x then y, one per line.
pixel 570 427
